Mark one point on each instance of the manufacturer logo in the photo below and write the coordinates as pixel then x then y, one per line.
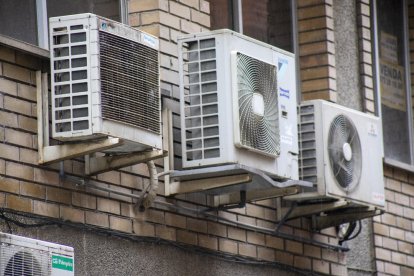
pixel 284 92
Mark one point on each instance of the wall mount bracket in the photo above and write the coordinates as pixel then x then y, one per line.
pixel 49 154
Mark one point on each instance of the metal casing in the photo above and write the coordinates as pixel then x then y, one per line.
pixel 315 118
pixel 211 138
pixel 105 81
pixel 25 256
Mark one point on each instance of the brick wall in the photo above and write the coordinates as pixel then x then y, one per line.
pixel 316 49
pixel 25 186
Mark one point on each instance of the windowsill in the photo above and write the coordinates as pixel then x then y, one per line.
pixel 24 46
pixel 399 165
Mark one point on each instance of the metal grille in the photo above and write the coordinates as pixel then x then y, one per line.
pixel 258 105
pixel 201 100
pixel 307 144
pixel 17 261
pixel 129 82
pixel 70 97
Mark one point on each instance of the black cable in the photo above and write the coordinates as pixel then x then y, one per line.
pixel 7 222
pixel 358 232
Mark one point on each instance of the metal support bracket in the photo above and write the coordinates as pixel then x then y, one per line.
pixel 311 209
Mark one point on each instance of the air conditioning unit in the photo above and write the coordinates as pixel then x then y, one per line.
pixel 341 152
pixel 105 82
pixel 238 103
pixel 25 256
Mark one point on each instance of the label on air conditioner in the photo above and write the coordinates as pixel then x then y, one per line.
pixel 149 40
pixel 372 129
pixel 378 198
pixel 62 265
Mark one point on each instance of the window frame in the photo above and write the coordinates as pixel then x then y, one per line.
pixel 409 90
pixel 42 21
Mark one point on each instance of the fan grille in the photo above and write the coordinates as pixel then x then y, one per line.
pixel 344 150
pixel 256 82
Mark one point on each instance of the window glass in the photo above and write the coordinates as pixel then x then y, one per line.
pixel 18 20
pixel 392 77
pixel 269 21
pixel 105 8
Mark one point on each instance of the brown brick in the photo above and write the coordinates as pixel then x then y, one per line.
pixel 7 54
pixel 9 185
pixel 98 219
pixel 111 176
pixel 187 237
pixel 200 18
pixel 408 188
pixel 19 170
pixel 72 214
pixel 228 246
pixel 83 200
pixel 190 3
pixel 393 184
pixel 19 203
pixel 109 206
pixel 383 254
pixel 32 189
pixel 27 123
pixel 208 242
pixel 175 220
pixel 189 27
pixel 405 247
pixel 316 61
pixel 394 209
pixel 329 255
pixel 59 195
pixel 28 156
pixel 197 225
pixel 312 251
pixel 255 238
pixel 406 271
pixel 9 152
pixel 8 87
pixel 169 20
pixel 131 181
pixel 398 258
pixel 266 254
pixel 405 223
pixel 120 224
pixel 28 60
pixel 155 216
pixel 381 229
pixel 284 257
pixel 249 250
pixel 18 106
pixel 179 10
pixel 18 138
pixel 143 229
pixel 316 48
pixel 274 242
pixel 142 5
pixel 316 36
pixel 392 269
pixel 317 85
pixel 45 176
pixel 320 266
pixel 389 243
pixel 165 232
pixel 396 233
pixel 388 219
pixel 302 262
pixel 245 219
pixel 45 209
pixel 217 229
pixel 26 91
pixel 255 211
pixel 294 247
pixel 18 73
pixel 236 233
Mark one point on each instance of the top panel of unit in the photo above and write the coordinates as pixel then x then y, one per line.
pixel 229 33
pixel 110 26
pixel 33 243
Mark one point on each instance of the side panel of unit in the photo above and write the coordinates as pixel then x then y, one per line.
pixel 71 77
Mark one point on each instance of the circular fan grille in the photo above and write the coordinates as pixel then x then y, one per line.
pixel 258 105
pixel 345 152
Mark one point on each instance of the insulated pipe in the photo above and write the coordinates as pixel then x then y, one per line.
pixel 153 187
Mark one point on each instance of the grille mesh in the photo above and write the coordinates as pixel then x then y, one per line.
pixel 307 144
pixel 17 260
pixel 201 106
pixel 129 82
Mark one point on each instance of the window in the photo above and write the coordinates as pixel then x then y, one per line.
pixel 269 21
pixel 28 20
pixel 393 79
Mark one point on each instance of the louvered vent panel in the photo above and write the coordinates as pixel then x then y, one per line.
pixel 18 260
pixel 70 98
pixel 201 110
pixel 129 82
pixel 307 144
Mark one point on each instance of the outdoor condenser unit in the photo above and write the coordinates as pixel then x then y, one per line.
pixel 238 103
pixel 105 82
pixel 25 256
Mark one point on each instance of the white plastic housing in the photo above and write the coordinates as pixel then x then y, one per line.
pixel 219 138
pixel 105 81
pixel 315 121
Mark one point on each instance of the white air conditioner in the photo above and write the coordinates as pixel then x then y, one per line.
pixel 105 82
pixel 25 256
pixel 341 152
pixel 238 103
